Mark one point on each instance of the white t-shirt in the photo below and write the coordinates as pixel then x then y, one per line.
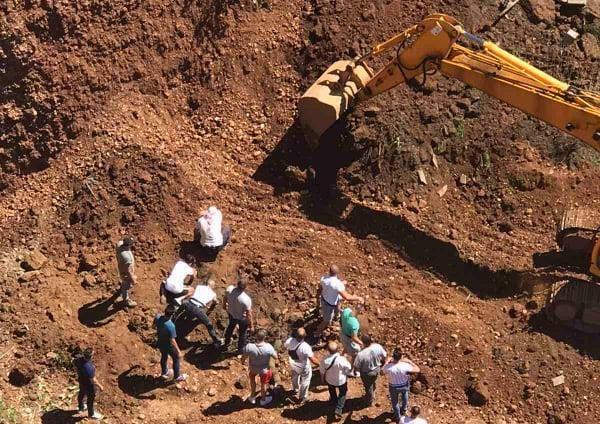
pixel 204 295
pixel 303 350
pixel 175 281
pixel 398 373
pixel 209 226
pixel 337 374
pixel 331 289
pixel 406 420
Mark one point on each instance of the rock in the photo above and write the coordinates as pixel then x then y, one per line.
pixel 22 374
pixel 462 180
pixel 468 350
pixel 416 387
pixel 276 314
pixel 558 380
pixel 512 408
pixel 443 190
pixel 35 260
pixel 449 310
pixel 540 10
pixel 88 281
pixel 29 276
pixel 590 46
pixel 87 262
pixel 477 393
pixel 422 177
pixel 211 392
pixel 372 111
pixel 532 305
pixel 21 331
pixel 516 310
pixel 241 382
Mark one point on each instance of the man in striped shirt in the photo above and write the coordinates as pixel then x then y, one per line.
pixel 398 370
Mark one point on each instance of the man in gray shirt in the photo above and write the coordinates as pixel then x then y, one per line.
pixel 238 305
pixel 126 267
pixel 368 362
pixel 260 355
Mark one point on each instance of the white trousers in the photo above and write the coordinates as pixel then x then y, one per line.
pixel 301 381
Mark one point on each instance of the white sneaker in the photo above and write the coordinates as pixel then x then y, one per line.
pixel 182 377
pixel 167 375
pixel 97 416
pixel 266 401
pixel 251 399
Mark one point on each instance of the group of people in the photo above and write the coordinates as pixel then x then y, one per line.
pixel 359 357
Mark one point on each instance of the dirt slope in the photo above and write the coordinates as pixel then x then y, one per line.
pixel 147 112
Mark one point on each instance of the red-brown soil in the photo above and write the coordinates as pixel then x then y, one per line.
pixel 131 117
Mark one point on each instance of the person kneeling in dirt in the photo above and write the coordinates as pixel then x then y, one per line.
pixel 167 345
pixel 260 354
pixel 202 302
pixel 86 376
pixel 210 233
pixel 177 283
pixel 126 267
pixel 334 370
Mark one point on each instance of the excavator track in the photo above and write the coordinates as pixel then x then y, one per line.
pixel 575 302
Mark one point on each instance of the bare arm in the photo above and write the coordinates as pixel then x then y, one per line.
pixel 415 368
pixel 175 346
pixel 314 360
pixel 356 340
pixel 97 383
pixel 250 318
pixel 351 297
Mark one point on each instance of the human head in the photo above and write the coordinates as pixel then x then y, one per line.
pixel 189 259
pixel 334 270
pixel 415 411
pixel 88 352
pixel 261 335
pixel 212 210
pixel 397 354
pixel 169 310
pixel 299 333
pixel 332 347
pixel 128 242
pixel 366 339
pixel 210 283
pixel 242 283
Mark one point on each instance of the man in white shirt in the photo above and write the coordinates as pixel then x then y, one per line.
pixel 414 418
pixel 176 285
pixel 334 370
pixel 329 296
pixel 202 302
pixel 398 370
pixel 209 230
pixel 238 305
pixel 368 363
pixel 301 356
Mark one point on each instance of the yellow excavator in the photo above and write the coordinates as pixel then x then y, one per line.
pixel 432 46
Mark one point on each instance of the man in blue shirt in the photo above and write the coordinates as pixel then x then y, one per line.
pixel 86 375
pixel 167 344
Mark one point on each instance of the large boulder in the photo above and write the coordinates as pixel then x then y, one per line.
pixel 540 10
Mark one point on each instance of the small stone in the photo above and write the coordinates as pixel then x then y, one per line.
pixel 34 261
pixel 478 394
pixel 22 374
pixel 515 311
pixel 558 380
pixel 241 382
pixel 416 387
pixel 88 281
pixel 462 180
pixel 211 392
pixel 449 310
pixel 422 177
pixel 29 276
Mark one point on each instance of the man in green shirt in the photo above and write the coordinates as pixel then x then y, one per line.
pixel 350 327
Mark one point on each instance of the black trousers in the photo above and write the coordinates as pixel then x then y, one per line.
pixel 201 316
pixel 86 392
pixel 243 331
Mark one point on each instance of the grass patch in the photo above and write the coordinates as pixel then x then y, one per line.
pixel 8 414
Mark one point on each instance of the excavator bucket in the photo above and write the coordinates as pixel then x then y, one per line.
pixel 330 97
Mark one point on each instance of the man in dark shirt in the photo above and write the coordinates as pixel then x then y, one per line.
pixel 167 344
pixel 86 375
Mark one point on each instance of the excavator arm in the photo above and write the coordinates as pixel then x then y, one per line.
pixel 432 46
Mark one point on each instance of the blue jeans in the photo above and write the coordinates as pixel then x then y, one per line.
pixel 395 392
pixel 337 396
pixel 164 357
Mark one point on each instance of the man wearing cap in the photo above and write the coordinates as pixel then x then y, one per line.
pixel 126 267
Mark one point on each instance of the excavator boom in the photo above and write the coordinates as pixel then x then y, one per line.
pixel 432 46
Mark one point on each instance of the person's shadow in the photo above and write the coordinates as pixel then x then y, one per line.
pixel 99 312
pixel 207 357
pixel 140 386
pixel 233 404
pixel 61 416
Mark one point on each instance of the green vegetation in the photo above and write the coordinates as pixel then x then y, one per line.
pixel 459 125
pixel 8 415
